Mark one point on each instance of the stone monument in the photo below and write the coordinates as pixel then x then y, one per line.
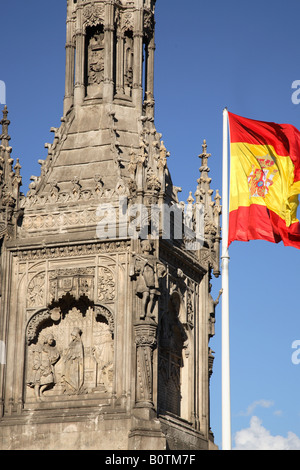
pixel 106 310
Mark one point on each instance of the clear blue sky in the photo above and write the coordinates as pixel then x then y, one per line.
pixel 243 55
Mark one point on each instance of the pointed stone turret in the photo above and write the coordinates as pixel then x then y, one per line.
pixel 212 213
pixel 10 181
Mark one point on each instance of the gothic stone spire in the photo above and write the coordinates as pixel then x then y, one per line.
pixel 10 180
pixel 108 111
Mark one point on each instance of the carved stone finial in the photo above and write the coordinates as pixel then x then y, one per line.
pixel 190 199
pixel 204 156
pixel 76 190
pixel 218 199
pixel 5 114
pixel 204 180
pixel 5 123
pixel 163 150
pixel 17 167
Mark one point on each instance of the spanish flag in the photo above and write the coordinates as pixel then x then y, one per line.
pixel 264 181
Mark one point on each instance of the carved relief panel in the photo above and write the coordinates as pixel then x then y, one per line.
pixel 106 289
pixel 36 291
pixel 77 282
pixel 70 354
pixel 70 327
pixel 93 14
pixel 97 284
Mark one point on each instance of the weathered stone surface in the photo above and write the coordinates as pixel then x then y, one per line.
pixel 107 339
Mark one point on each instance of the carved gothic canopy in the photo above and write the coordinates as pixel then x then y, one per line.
pixel 93 15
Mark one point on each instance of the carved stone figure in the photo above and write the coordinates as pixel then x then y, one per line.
pixel 128 59
pixel 148 270
pixel 73 364
pixel 104 355
pixel 95 66
pixel 43 367
pixel 212 304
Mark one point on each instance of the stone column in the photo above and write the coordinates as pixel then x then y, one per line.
pixel 149 95
pixel 138 35
pixel 145 433
pixel 108 88
pixel 145 340
pixel 120 63
pixel 79 92
pixel 70 64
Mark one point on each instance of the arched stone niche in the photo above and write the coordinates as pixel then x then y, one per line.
pixel 94 66
pixel 70 351
pixel 172 341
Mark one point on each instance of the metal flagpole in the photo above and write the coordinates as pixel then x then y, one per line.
pixel 226 408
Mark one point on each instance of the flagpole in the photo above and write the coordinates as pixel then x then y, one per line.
pixel 226 407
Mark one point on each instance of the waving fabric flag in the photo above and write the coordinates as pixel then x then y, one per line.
pixel 264 181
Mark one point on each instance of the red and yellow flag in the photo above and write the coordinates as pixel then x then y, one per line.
pixel 264 181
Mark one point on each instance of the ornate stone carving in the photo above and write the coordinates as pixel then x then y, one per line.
pixel 41 318
pixel 148 21
pixel 55 196
pixel 44 359
pixel 54 191
pixel 73 367
pixel 127 21
pixel 93 14
pixel 212 304
pixel 145 339
pixel 77 282
pixel 74 250
pixel 190 309
pixel 36 291
pixel 106 285
pixel 71 353
pixel 95 67
pixel 147 270
pixel 153 183
pixel 128 64
pixel 103 353
pixel 104 312
pixel 76 189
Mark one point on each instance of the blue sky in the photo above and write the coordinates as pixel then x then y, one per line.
pixel 243 55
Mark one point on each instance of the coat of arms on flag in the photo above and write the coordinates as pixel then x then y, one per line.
pixel 264 181
pixel 261 178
